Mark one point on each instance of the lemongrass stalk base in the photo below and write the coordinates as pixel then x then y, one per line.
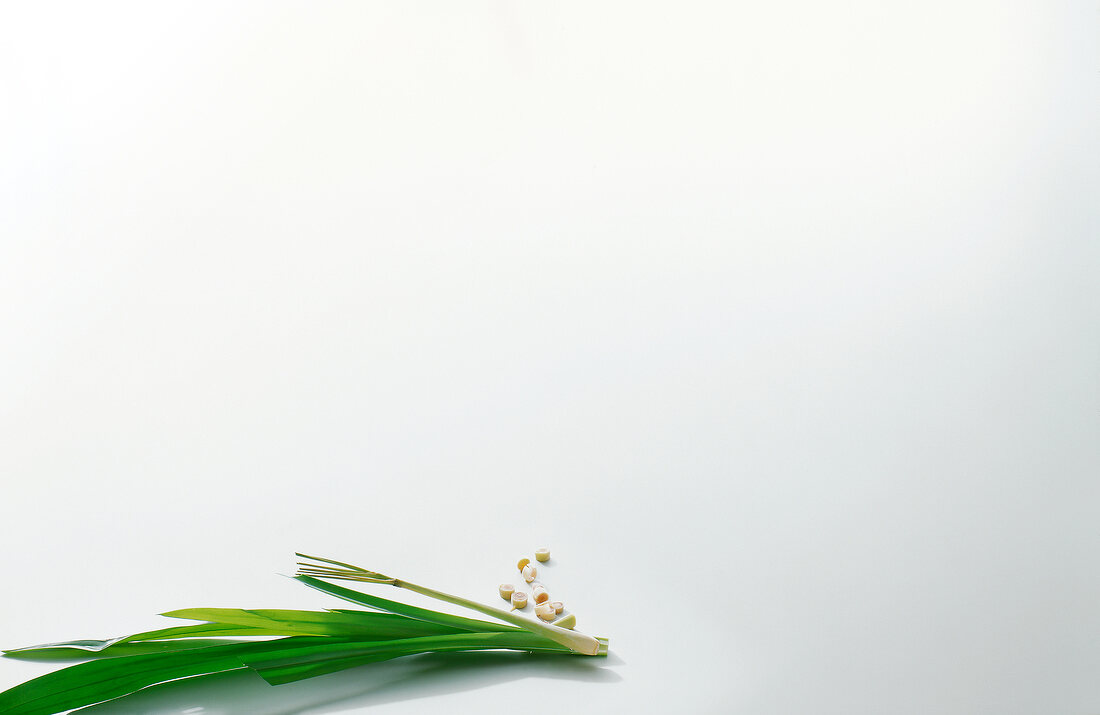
pixel 575 641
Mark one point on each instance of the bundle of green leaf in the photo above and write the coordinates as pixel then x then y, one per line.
pixel 282 646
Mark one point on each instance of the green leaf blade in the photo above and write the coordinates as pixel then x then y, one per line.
pixel 320 623
pixel 423 614
pixel 106 679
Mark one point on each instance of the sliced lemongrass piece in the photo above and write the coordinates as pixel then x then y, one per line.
pixel 558 607
pixel 540 595
pixel 506 591
pixel 529 572
pixel 567 622
pixel 542 555
pixel 545 611
pixel 522 562
pixel 519 600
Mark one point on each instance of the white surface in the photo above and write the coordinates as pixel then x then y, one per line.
pixel 779 325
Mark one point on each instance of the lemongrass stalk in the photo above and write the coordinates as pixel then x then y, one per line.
pixel 577 642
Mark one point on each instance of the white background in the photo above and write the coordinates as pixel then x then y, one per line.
pixel 778 322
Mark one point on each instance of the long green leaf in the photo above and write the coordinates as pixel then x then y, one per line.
pixel 318 651
pixel 312 660
pixel 237 622
pixel 206 630
pixel 423 614
pixel 375 626
pixel 106 679
pixel 200 629
pixel 123 648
